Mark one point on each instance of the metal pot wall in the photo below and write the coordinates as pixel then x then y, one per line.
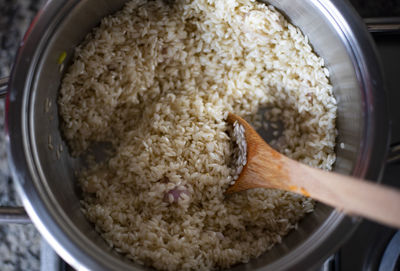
pixel 45 177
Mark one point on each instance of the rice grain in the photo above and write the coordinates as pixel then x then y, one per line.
pixel 157 80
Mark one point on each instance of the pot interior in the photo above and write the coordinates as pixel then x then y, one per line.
pixel 56 168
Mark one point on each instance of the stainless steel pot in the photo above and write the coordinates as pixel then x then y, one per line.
pixel 45 176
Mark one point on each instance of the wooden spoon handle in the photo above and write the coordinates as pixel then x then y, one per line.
pixel 268 168
pixel 351 195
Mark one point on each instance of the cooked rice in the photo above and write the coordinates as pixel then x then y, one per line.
pixel 157 80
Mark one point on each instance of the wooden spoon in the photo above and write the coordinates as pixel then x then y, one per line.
pixel 267 168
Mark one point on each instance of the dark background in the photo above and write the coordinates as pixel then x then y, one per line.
pixel 377 8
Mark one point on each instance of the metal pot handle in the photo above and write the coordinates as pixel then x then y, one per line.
pixel 10 214
pixel 394 154
pixel 377 26
pixel 3 86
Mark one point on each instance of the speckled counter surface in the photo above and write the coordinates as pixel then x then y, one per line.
pixel 20 244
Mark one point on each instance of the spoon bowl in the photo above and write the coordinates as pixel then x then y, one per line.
pixel 267 168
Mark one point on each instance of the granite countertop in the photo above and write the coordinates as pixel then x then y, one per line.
pixel 20 244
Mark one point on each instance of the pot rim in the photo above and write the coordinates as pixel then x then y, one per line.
pixel 370 162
